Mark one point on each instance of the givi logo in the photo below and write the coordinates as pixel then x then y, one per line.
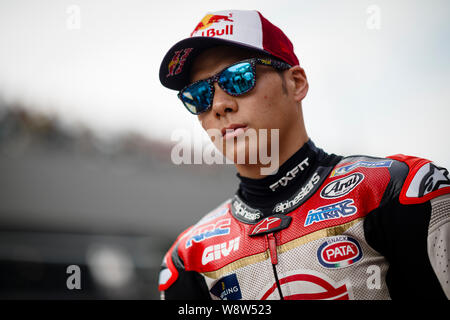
pixel 217 251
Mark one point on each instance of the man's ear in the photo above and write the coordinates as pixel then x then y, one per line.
pixel 298 82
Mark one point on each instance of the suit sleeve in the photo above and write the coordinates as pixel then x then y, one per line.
pixel 175 283
pixel 412 230
pixel 438 240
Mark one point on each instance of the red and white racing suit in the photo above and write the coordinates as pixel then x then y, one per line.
pixel 357 227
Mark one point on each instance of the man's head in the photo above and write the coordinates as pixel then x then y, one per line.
pixel 274 103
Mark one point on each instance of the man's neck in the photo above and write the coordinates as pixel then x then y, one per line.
pixel 286 150
pixel 300 169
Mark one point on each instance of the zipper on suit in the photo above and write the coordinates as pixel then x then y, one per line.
pixel 274 259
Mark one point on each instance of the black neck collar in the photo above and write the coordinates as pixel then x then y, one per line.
pixel 289 175
pixel 262 197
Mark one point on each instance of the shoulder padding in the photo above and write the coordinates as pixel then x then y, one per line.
pixel 172 261
pixel 169 272
pixel 424 182
pixel 350 163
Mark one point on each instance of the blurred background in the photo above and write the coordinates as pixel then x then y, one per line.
pixel 86 129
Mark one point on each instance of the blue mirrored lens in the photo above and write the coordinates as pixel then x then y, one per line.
pixel 237 79
pixel 197 97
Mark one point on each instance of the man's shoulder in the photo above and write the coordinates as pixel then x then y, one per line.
pixel 215 223
pixel 210 224
pixel 362 162
pixel 410 179
pixel 425 180
pixel 210 243
pixel 379 172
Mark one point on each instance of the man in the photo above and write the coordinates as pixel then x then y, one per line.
pixel 321 226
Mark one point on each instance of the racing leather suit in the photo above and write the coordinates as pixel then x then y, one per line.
pixel 324 227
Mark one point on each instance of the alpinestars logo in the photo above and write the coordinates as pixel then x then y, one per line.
pixel 425 182
pixel 433 180
pixel 304 191
pixel 242 211
pixel 271 224
pixel 267 224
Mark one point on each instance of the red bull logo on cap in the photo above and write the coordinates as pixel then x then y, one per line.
pixel 176 64
pixel 207 23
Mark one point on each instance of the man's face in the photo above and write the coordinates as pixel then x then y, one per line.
pixel 269 105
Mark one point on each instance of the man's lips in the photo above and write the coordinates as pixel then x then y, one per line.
pixel 233 130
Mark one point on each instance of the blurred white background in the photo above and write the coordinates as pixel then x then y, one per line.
pixel 378 70
pixel 85 126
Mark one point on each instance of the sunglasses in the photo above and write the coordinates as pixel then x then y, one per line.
pixel 235 80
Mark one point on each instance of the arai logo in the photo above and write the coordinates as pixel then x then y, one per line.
pixel 339 251
pixel 341 187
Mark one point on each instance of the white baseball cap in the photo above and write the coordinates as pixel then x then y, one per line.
pixel 239 28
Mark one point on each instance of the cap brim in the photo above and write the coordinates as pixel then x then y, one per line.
pixel 179 79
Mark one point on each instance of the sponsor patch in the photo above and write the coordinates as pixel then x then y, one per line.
pixel 271 224
pixel 336 210
pixel 301 194
pixel 339 252
pixel 227 288
pixel 341 187
pixel 199 234
pixel 244 213
pixel 291 174
pixel 360 164
pixel 309 285
pixel 205 28
pixel 217 251
pixel 424 182
pixel 429 178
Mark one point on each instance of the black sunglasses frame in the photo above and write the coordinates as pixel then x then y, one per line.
pixel 276 64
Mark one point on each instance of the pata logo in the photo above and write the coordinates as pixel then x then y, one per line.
pixel 341 187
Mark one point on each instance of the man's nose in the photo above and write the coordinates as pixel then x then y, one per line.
pixel 223 102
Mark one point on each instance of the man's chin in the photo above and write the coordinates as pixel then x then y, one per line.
pixel 240 152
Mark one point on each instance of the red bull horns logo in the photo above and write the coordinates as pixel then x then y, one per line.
pixel 207 23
